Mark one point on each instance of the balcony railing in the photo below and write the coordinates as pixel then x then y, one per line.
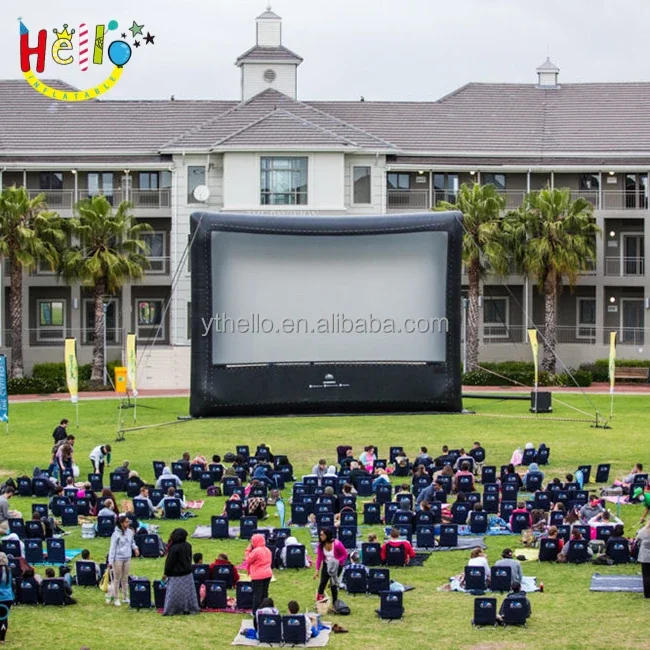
pixel 154 199
pixel 55 199
pixel 408 200
pixel 158 266
pixel 114 197
pixel 625 266
pixel 495 334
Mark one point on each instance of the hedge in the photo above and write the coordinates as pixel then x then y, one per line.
pixel 600 368
pixel 516 373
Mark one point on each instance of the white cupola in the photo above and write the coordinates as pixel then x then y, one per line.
pixel 268 64
pixel 547 74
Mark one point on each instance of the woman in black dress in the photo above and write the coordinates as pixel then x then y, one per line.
pixel 180 597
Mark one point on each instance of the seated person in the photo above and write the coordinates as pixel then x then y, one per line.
pixel 444 471
pixel 464 458
pixel 144 496
pixel 294 609
pixel 367 458
pixel 356 472
pixel 261 474
pixel 320 469
pixel 85 556
pixel 404 510
pixel 185 461
pixel 479 558
pixel 512 471
pixel 135 478
pixel 403 492
pixel 465 470
pixel 356 563
pixel 423 459
pixel 108 510
pixel 517 594
pixel 123 469
pixel 347 459
pixel 419 471
pixel 568 480
pixel 617 537
pixel 604 518
pixel 200 460
pixel 348 490
pixel 515 566
pixel 520 509
pixel 439 461
pixel 460 500
pixel 267 607
pixel 331 496
pixel 167 475
pixel 291 541
pixel 428 494
pixel 591 509
pixel 170 496
pixel 477 452
pixel 533 472
pixel 382 479
pixel 627 480
pixel 222 560
pixel 538 520
pixel 256 507
pixel 552 533
pixel 394 540
pixel 50 575
pixel 216 460
pixel 576 536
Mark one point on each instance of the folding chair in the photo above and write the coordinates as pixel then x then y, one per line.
pixel 349 502
pixel 156 496
pixel 41 508
pixel 548 550
pixel 132 488
pixel 533 483
pixel 491 503
pixel 542 456
pixel 17 527
pixel 55 551
pixel 448 535
pixel 390 509
pixel 180 470
pixel 426 518
pixel 295 556
pixel 586 473
pixel 475 578
pixel 299 514
pixel 158 467
pixel 460 511
pixel 28 591
pixel 34 551
pixel 379 463
pixel 384 493
pixel 488 474
pixel 14 566
pixel 201 573
pixel 390 605
pixel 24 486
pixel 69 515
pixel 371 554
pixel 348 537
pixel 234 509
pixel 149 545
pixel 40 487
pixel 556 518
pixel 349 518
pixel 159 593
pixel 585 530
pixel 465 484
pixel 243 451
pixel 244 595
pixel 485 612
pixel 500 578
pixel 364 486
pixel 514 612
pixel 445 483
pixel 216 471
pixel 247 527
pixel 325 520
pixel 223 573
pixel 564 532
pixel 520 522
pixel 478 522
pixel 577 553
pixel 602 473
pixel 603 533
pixel 53 591
pixel 172 508
pixel 141 509
pixel 356 581
pixel 542 501
pixel 619 552
pixel 269 628
pixel 401 518
pixel 528 456
pixel 83 506
pixel 425 536
pixel 509 492
pixel 86 574
pixel 140 593
pixel 378 580
pixel 473 498
pixel 394 452
pixel 506 509
pixel 105 526
pixel 216 596
pixel 118 482
pixel 11 547
pixel 310 482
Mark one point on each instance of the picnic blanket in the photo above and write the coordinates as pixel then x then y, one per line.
pixel 319 642
pixel 70 555
pixel 419 559
pixel 228 610
pixel 528 584
pixel 622 499
pixel 202 532
pixel 194 505
pixel 601 582
pixel 464 544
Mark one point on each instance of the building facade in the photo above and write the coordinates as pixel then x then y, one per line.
pixel 270 152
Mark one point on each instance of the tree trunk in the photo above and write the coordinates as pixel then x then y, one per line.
pixel 471 323
pixel 97 373
pixel 550 322
pixel 16 310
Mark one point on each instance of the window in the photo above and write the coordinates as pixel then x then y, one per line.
pixel 445 187
pixel 195 177
pixel 589 182
pixel 189 320
pixel 101 185
pixel 586 309
pixel 495 317
pixel 149 180
pixel 51 181
pixel 149 318
pixel 51 320
pixel 156 254
pixel 112 331
pixel 283 181
pixel 189 253
pixel 362 190
pixel 398 181
pixel 498 180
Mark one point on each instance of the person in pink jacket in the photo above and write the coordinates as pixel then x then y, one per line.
pixel 258 559
pixel 330 558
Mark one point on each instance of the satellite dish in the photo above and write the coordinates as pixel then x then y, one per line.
pixel 202 193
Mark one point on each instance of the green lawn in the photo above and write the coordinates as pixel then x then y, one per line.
pixel 567 615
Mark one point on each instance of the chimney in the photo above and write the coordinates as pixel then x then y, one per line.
pixel 547 74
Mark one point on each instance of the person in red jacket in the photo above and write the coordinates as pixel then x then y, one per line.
pixel 258 559
pixel 222 559
pixel 394 540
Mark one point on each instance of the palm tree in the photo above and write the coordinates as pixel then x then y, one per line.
pixel 110 253
pixel 483 242
pixel 28 234
pixel 553 238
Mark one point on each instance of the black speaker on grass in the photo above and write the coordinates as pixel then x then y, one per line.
pixel 540 402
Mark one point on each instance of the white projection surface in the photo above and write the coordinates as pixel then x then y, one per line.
pixel 291 298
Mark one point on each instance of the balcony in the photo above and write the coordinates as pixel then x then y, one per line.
pixel 55 199
pixel 151 199
pixel 494 334
pixel 158 266
pixel 408 200
pixel 625 266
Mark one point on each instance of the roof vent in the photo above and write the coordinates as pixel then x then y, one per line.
pixel 547 74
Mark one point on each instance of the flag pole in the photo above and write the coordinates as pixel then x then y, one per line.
pixel 612 371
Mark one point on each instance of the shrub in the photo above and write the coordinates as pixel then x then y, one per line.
pixel 599 369
pixel 31 386
pixel 581 377
pixel 513 374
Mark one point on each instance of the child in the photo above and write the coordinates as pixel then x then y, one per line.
pixel 197 558
pixel 85 556
pixel 372 538
pixel 294 610
pixel 267 608
pixel 313 526
pixel 222 559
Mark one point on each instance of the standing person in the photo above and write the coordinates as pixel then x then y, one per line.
pixel 330 558
pixel 643 536
pixel 119 559
pixel 259 560
pixel 99 457
pixel 181 595
pixel 6 596
pixel 60 433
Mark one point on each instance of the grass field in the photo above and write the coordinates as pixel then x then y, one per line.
pixel 566 615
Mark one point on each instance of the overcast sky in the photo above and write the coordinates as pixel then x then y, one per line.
pixel 406 50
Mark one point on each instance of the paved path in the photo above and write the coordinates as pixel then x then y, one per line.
pixel 594 389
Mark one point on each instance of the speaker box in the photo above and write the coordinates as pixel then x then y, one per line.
pixel 542 400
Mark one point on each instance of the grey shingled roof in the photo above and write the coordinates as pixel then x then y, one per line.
pixel 261 54
pixel 268 14
pixel 253 114
pixel 601 121
pixel 548 66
